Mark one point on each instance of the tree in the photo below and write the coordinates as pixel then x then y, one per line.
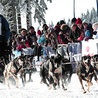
pixel 10 12
pixel 90 16
pixel 11 7
pixel 28 13
pixel 18 18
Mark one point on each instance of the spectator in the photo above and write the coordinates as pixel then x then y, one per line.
pixel 65 33
pixel 62 22
pixel 52 38
pixel 75 34
pixel 79 23
pixel 57 28
pixel 44 51
pixel 44 28
pixel 32 35
pixel 42 39
pixel 38 34
pixel 95 30
pixel 22 40
pixel 37 50
pixel 80 26
pixel 85 24
pixel 61 39
pixel 73 21
pixel 88 30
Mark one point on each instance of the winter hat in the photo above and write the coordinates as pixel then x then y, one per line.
pixel 57 28
pixel 73 20
pixel 62 22
pixel 39 32
pixel 78 21
pixel 65 28
pixel 31 27
pixel 45 26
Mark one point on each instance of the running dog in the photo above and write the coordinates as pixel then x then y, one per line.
pixel 85 72
pixel 13 68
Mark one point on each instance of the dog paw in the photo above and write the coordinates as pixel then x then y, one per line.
pixel 84 92
pixel 50 87
pixel 90 83
pixel 97 81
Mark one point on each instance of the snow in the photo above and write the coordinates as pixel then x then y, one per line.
pixel 37 90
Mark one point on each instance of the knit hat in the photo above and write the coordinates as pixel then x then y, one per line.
pixel 62 22
pixel 73 20
pixel 45 26
pixel 31 27
pixel 39 32
pixel 65 28
pixel 78 21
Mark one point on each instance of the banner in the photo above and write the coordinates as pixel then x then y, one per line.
pixel 84 48
pixel 89 47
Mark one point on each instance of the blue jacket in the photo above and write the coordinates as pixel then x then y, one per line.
pixel 42 40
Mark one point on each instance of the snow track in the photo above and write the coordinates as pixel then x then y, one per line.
pixel 36 90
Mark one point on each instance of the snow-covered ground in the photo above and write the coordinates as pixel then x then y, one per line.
pixel 36 90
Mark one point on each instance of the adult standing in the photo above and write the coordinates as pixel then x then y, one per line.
pixel 80 26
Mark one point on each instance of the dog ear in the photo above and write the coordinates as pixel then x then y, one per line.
pixel 86 61
pixel 85 57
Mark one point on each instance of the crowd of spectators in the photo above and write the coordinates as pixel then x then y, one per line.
pixel 45 41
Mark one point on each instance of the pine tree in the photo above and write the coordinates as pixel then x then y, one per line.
pixel 90 16
pixel 12 7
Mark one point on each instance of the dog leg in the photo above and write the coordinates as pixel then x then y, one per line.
pixel 24 76
pixel 97 81
pixel 30 79
pixel 81 84
pixel 50 86
pixel 54 86
pixel 23 82
pixel 89 84
pixel 16 79
pixel 7 82
pixel 41 81
pixel 63 84
pixel 6 77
